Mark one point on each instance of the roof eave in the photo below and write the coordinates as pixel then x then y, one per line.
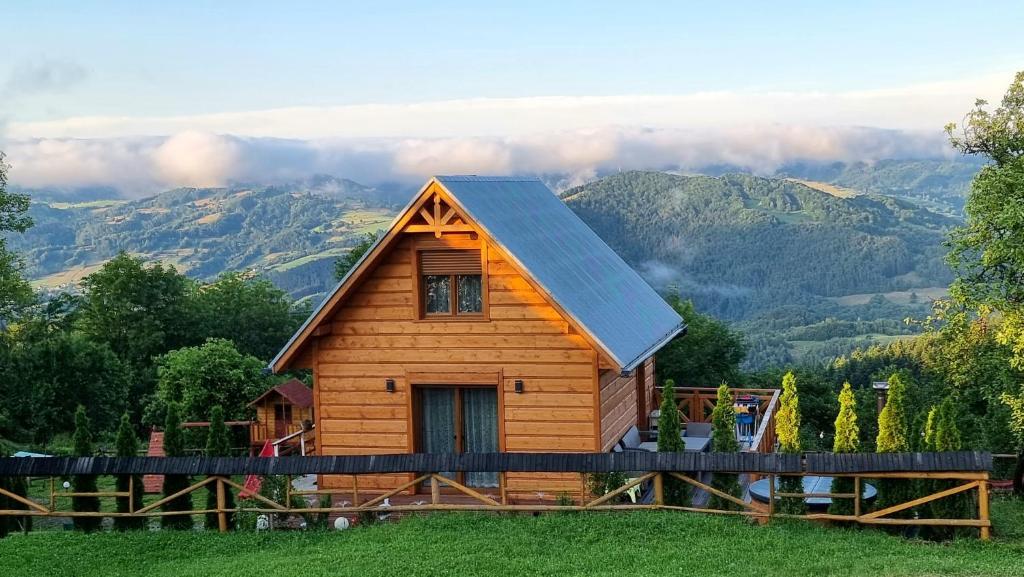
pixel 276 365
pixel 632 365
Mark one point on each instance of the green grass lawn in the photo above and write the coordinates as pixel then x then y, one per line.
pixel 642 543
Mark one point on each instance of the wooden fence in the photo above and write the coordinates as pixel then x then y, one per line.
pixel 970 469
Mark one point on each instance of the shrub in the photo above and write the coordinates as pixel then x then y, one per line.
pixel 174 446
pixel 127 445
pixel 218 445
pixel 723 423
pixel 893 438
pixel 946 437
pixel 676 492
pixel 847 439
pixel 787 429
pixel 82 447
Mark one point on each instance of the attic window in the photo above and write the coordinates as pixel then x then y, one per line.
pixel 451 283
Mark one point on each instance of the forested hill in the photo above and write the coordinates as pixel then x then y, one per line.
pixel 291 233
pixel 804 272
pixel 782 257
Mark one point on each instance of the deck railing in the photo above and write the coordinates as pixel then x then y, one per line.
pixel 966 471
pixel 696 403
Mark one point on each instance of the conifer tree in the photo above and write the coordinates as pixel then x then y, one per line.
pixel 218 445
pixel 892 421
pixel 946 437
pixel 787 430
pixel 670 440
pixel 82 447
pixel 127 445
pixel 174 446
pixel 893 438
pixel 723 423
pixel 847 439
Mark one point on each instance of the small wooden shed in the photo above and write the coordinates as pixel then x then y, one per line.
pixel 280 411
pixel 488 318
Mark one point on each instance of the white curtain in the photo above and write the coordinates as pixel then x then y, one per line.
pixel 437 424
pixel 480 429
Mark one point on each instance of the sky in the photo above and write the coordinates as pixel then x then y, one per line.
pixel 144 96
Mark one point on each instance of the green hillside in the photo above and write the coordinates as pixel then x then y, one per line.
pixel 292 233
pixel 807 271
pixel 775 256
pixel 941 185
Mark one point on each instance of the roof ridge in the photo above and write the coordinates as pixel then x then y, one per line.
pixel 479 178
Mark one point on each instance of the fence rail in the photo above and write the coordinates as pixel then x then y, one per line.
pixel 652 469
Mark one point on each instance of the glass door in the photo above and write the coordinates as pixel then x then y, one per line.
pixel 459 420
pixel 480 429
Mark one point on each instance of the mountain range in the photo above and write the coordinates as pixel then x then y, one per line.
pixel 807 263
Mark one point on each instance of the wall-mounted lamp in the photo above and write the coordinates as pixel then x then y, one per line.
pixel 389 384
pixel 519 386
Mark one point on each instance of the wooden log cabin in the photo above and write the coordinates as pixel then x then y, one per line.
pixel 487 318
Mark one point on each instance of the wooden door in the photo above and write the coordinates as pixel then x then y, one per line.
pixel 282 420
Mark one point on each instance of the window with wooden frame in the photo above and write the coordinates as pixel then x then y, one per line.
pixel 451 283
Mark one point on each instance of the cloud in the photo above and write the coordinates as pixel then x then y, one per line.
pixel 44 76
pixel 912 107
pixel 572 138
pixel 145 165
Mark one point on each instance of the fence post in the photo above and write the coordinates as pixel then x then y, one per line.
pixel 856 496
pixel 659 489
pixel 435 491
pixel 222 515
pixel 983 507
pixel 771 495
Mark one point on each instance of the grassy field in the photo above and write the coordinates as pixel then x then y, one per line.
pixel 638 544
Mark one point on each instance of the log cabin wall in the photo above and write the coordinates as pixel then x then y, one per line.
pixel 618 406
pixel 376 335
pixel 645 376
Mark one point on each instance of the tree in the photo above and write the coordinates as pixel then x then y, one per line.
pixel 127 445
pixel 215 373
pixel 670 440
pixel 893 438
pixel 218 445
pixel 723 440
pixel 345 263
pixel 892 421
pixel 140 312
pixel 985 252
pixel 48 376
pixel 15 292
pixel 174 446
pixel 787 430
pixel 250 312
pixel 945 436
pixel 82 447
pixel 847 439
pixel 709 354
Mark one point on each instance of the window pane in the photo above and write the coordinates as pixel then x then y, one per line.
pixel 470 296
pixel 438 290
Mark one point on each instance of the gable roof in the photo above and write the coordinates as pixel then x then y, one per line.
pixel 293 390
pixel 598 292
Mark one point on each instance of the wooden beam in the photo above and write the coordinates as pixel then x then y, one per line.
pixel 920 501
pixel 170 498
pixel 611 495
pixel 713 490
pixel 466 490
pixel 23 501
